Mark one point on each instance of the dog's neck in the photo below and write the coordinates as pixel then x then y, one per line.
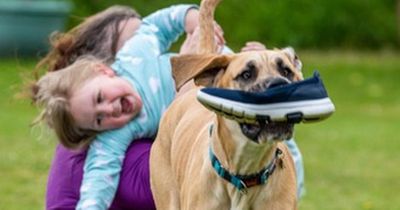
pixel 236 153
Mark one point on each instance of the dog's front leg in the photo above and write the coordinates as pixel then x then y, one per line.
pixel 163 183
pixel 202 189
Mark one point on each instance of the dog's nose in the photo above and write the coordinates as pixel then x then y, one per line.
pixel 278 81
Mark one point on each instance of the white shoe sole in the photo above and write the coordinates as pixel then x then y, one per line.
pixel 301 111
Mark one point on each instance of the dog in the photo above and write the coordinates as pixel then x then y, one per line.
pixel 202 160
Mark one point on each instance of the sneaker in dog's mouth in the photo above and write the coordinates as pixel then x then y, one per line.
pixel 262 131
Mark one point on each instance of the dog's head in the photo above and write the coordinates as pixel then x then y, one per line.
pixel 253 71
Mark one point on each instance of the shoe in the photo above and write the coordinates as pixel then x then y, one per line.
pixel 302 101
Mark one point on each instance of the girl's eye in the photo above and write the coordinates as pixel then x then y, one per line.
pixel 99 119
pixel 99 97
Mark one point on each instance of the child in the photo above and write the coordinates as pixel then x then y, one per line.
pixel 125 100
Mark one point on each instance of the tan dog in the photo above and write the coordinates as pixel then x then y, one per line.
pixel 193 141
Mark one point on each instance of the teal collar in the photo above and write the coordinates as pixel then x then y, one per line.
pixel 242 182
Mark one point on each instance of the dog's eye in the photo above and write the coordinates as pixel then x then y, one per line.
pixel 286 72
pixel 283 69
pixel 248 73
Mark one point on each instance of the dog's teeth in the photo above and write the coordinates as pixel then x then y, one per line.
pixel 264 86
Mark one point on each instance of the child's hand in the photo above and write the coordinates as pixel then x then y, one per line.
pixel 219 37
pixel 253 46
pixel 190 45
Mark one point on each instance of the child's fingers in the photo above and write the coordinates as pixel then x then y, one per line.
pixel 219 38
pixel 255 43
pixel 253 46
pixel 190 45
pixel 195 34
pixel 219 33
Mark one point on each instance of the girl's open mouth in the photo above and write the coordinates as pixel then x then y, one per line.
pixel 126 105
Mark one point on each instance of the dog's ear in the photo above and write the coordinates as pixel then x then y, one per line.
pixel 202 68
pixel 289 51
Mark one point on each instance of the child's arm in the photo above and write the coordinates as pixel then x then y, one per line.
pixel 102 168
pixel 171 22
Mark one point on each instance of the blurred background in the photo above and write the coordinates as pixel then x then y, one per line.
pixel 351 160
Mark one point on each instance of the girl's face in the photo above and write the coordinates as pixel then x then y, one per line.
pixel 104 102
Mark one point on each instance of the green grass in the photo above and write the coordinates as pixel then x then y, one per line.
pixel 25 157
pixel 351 160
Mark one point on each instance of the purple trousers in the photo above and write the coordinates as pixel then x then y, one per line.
pixel 65 178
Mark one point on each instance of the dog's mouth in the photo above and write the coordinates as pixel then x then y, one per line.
pixel 262 131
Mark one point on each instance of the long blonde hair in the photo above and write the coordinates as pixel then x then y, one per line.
pixel 53 92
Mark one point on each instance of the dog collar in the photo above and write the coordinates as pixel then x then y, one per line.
pixel 242 182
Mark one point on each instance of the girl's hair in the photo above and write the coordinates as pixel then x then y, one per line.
pixel 96 37
pixel 53 92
